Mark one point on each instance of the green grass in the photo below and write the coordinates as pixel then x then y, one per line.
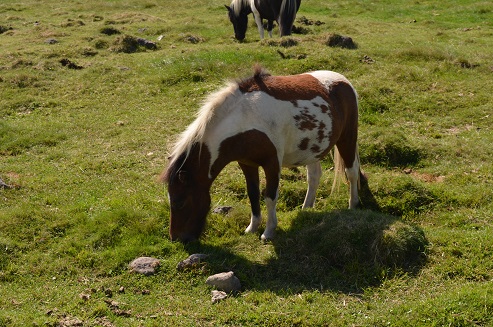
pixel 82 150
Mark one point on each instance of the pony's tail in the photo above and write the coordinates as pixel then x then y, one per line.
pixel 340 169
pixel 287 16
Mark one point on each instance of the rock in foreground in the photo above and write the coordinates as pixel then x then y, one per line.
pixel 226 282
pixel 144 265
pixel 191 262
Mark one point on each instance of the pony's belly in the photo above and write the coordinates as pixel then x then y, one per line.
pixel 303 158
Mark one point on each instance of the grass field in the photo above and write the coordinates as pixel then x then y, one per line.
pixel 87 116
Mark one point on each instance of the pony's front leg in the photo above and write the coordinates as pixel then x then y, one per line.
pixel 253 190
pixel 260 25
pixel 271 194
pixel 313 172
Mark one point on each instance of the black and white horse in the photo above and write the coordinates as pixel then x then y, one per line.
pixel 281 11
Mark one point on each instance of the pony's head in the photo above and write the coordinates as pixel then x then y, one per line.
pixel 238 15
pixel 190 172
pixel 188 190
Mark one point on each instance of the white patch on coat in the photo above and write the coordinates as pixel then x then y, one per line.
pixel 260 111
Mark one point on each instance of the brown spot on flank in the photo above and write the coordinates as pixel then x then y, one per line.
pixel 321 131
pixel 285 88
pixel 304 143
pixel 305 121
pixel 315 148
pixel 324 108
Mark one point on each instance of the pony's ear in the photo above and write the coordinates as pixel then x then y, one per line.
pixel 228 7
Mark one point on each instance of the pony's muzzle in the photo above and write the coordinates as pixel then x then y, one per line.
pixel 183 238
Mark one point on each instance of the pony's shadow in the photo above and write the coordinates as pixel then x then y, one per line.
pixel 342 250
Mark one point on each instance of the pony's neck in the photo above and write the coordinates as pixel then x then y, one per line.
pixel 199 161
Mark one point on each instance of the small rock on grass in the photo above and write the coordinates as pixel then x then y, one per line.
pixel 226 282
pixel 3 185
pixel 144 265
pixel 218 296
pixel 223 210
pixel 191 262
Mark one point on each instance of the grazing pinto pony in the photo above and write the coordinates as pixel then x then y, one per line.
pixel 282 11
pixel 263 121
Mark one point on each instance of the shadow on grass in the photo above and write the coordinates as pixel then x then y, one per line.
pixel 343 250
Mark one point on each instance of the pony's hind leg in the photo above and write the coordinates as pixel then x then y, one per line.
pixel 353 175
pixel 253 190
pixel 347 159
pixel 313 172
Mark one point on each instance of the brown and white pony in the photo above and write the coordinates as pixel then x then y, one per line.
pixel 263 121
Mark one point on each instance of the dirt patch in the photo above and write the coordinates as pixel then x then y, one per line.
pixel 4 29
pixel 194 39
pixel 72 23
pixel 109 31
pixel 69 64
pixel 285 42
pixel 305 21
pixel 425 177
pixel 130 44
pixel 341 41
pixel 300 30
pixel 129 18
pixel 288 42
pixel 290 56
pixel 463 63
pixel 367 60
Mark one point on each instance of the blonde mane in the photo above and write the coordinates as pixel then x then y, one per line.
pixel 194 133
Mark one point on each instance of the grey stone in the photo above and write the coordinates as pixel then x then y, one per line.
pixel 223 210
pixel 191 262
pixel 218 296
pixel 226 282
pixel 144 265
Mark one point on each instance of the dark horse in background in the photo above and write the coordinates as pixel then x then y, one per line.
pixel 282 11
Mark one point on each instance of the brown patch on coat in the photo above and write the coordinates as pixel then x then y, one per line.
pixel 305 120
pixel 321 132
pixel 303 145
pixel 340 97
pixel 256 150
pixel 285 88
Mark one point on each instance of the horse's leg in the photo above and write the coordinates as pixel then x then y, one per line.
pixel 272 176
pixel 258 21
pixel 313 171
pixel 353 175
pixel 350 157
pixel 253 190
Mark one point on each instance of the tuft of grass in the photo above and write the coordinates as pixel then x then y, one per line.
pixel 390 150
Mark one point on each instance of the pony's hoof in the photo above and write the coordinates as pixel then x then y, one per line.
pixel 250 230
pixel 267 238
